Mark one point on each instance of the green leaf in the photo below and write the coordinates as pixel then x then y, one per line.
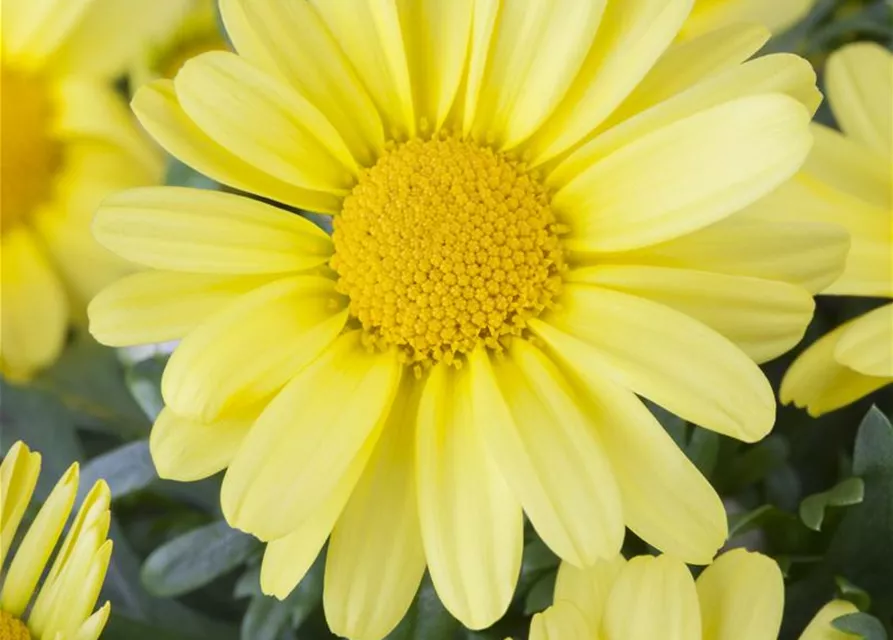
pixel 852 593
pixel 812 510
pixel 195 559
pixel 427 618
pixel 144 381
pixel 740 523
pixel 861 624
pixel 873 454
pixel 268 618
pixel 540 595
pixel 127 469
pixel 702 449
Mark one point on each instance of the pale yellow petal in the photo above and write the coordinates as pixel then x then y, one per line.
pixel 253 347
pixel 157 306
pixel 32 31
pixel 778 15
pixel 561 621
pixel 741 596
pixel 632 36
pixel 846 165
pixel 821 628
pixel 698 171
pixel 588 589
pixel 472 525
pixel 765 318
pixel 859 81
pixel 308 438
pixel 369 33
pixel 265 121
pixel 654 597
pixel 314 64
pixel 203 231
pixel 548 452
pixel 158 109
pixel 18 477
pixel 95 624
pixel 186 449
pixel 866 345
pixel 483 27
pixel 375 560
pixel 641 343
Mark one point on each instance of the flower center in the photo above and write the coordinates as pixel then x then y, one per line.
pixel 29 156
pixel 11 628
pixel 444 245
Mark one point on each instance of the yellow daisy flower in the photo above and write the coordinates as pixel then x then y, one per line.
pixel 67 141
pixel 533 223
pixel 739 597
pixel 778 15
pixel 61 608
pixel 848 180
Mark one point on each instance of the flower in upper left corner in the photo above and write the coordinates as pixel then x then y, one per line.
pixel 61 607
pixel 67 141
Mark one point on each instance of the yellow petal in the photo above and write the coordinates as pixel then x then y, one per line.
pixel 158 109
pixel 698 171
pixel 765 318
pixel 848 166
pixel 632 35
pixel 307 439
pixel 666 501
pixel 314 64
pixel 778 15
pixel 34 307
pixel 375 559
pixel 821 626
pixel 253 347
pixel 265 121
pixel 641 344
pixel 369 34
pixel 588 589
pixel 866 345
pixel 537 50
pixel 548 452
pixel 18 477
pixel 157 306
pixel 95 624
pixel 186 449
pixel 483 26
pixel 860 89
pixel 561 621
pixel 653 598
pixel 472 525
pixel 818 382
pixel 741 596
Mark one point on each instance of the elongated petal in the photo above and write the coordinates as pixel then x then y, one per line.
pixel 865 346
pixel 157 306
pixel 548 453
pixel 253 347
pixel 95 624
pixel 741 596
pixel 561 621
pixel 765 318
pixel 776 15
pixel 653 598
pixel 18 477
pixel 588 589
pixel 158 109
pixel 472 525
pixel 186 449
pixel 849 166
pixel 375 559
pixel 821 627
pixel 698 171
pixel 307 439
pixel 203 231
pixel 483 27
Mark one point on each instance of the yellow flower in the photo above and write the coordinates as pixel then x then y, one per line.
pixel 533 223
pixel 739 597
pixel 778 15
pixel 67 141
pixel 848 180
pixel 61 608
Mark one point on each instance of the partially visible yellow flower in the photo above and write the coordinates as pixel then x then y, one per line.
pixel 778 15
pixel 739 597
pixel 848 180
pixel 67 141
pixel 60 607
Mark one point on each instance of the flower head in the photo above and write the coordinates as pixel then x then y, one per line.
pixel 848 181
pixel 521 244
pixel 60 607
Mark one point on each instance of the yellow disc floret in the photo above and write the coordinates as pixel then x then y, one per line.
pixel 444 245
pixel 11 628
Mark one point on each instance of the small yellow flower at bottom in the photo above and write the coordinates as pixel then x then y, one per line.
pixel 739 597
pixel 61 608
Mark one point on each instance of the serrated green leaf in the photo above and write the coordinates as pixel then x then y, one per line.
pixel 540 595
pixel 195 559
pixel 126 469
pixel 852 593
pixel 812 510
pixel 861 624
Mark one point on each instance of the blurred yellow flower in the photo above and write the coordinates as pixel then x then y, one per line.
pixel 61 607
pixel 67 141
pixel 739 597
pixel 848 180
pixel 777 15
pixel 538 216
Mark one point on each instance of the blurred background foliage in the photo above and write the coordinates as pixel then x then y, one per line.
pixel 817 494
